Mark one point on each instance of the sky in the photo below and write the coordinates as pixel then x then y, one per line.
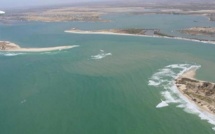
pixel 4 4
pixel 30 3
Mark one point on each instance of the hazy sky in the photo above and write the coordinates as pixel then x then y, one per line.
pixel 4 4
pixel 24 3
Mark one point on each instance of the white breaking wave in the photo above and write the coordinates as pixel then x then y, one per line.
pixel 164 79
pixel 10 54
pixel 101 55
pixel 162 104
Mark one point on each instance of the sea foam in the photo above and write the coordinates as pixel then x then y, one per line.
pixel 101 55
pixel 10 54
pixel 164 80
pixel 162 104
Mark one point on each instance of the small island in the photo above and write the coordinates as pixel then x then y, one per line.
pixel 208 31
pixel 202 93
pixel 11 47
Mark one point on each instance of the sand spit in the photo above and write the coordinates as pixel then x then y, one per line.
pixel 11 47
pixel 126 33
pixel 202 93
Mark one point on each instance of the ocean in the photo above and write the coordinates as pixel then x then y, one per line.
pixel 110 84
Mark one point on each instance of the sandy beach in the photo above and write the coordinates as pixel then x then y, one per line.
pixel 128 34
pixel 189 74
pixel 41 49
pixel 7 46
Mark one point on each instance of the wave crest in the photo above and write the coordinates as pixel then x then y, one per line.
pixel 9 54
pixel 101 55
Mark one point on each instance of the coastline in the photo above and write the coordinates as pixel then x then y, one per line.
pixel 137 35
pixel 195 91
pixel 6 46
pixel 40 49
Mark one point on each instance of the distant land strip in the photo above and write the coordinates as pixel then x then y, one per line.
pixel 137 32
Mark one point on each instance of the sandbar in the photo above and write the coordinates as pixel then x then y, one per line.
pixel 156 34
pixel 7 46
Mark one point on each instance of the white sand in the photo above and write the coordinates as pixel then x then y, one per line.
pixel 189 74
pixel 11 47
pixel 41 49
pixel 125 34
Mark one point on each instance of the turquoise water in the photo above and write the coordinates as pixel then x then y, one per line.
pixel 70 92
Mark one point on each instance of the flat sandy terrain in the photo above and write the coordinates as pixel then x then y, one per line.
pixel 41 49
pixel 136 32
pixel 11 47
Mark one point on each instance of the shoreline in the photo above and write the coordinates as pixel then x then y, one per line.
pixel 6 46
pixel 196 91
pixel 138 35
pixel 47 49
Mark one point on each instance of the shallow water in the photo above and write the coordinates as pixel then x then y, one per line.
pixel 70 92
